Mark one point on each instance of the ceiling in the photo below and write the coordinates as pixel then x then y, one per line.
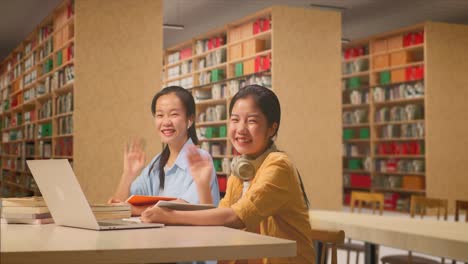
pixel 360 19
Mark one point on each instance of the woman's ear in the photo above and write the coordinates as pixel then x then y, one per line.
pixel 190 121
pixel 272 130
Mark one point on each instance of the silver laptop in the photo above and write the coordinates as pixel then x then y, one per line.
pixel 67 202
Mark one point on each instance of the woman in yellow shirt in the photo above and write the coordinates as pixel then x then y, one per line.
pixel 264 192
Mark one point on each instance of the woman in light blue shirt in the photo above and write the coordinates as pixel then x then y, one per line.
pixel 169 173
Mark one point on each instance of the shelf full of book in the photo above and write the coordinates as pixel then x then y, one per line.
pixel 36 91
pixel 386 82
pixel 255 50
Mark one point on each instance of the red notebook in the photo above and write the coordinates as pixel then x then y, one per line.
pixel 139 200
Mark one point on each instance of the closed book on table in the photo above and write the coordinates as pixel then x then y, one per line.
pixel 23 201
pixel 25 210
pixel 141 200
pixel 28 221
pixel 26 216
pixel 110 207
pixel 112 215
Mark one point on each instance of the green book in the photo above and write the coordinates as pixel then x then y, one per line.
pixel 385 77
pixel 239 69
pixel 59 58
pixel 348 134
pixel 364 133
pixel 217 75
pixel 222 131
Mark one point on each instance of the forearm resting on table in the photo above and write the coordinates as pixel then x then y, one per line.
pixel 212 217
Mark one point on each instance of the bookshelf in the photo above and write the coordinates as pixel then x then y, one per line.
pixel 36 83
pixel 259 49
pixel 110 96
pixel 392 99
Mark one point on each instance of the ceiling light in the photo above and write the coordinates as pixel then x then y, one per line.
pixel 329 7
pixel 173 26
pixel 345 40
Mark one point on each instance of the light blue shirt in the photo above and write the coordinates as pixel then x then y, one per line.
pixel 178 181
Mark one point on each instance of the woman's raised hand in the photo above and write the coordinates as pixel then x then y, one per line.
pixel 134 158
pixel 200 167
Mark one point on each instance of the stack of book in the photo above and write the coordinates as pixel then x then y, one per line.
pixel 33 210
pixel 28 210
pixel 111 211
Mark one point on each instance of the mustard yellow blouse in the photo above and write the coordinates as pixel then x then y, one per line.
pixel 274 206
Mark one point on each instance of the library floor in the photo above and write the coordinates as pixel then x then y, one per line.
pixel 385 251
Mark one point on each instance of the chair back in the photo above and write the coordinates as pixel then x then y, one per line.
pixel 329 239
pixel 423 203
pixel 368 198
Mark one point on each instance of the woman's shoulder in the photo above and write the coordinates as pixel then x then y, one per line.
pixel 279 157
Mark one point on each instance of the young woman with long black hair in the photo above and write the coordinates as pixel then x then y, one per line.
pixel 169 173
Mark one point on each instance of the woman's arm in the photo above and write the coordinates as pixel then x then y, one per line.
pixel 134 160
pixel 201 170
pixel 211 217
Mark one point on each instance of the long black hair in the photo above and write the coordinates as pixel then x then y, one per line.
pixel 269 104
pixel 189 103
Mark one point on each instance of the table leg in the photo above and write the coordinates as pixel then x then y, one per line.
pixel 371 256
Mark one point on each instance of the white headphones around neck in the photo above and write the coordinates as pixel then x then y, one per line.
pixel 245 167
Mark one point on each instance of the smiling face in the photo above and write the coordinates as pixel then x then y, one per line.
pixel 249 131
pixel 171 119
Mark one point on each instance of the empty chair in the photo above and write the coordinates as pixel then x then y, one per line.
pixel 371 199
pixel 330 240
pixel 420 204
pixel 459 206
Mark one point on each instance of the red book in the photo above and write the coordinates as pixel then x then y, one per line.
pixel 141 200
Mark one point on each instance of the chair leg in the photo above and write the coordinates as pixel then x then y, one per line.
pixel 334 259
pixel 324 252
pixel 348 252
pixel 357 257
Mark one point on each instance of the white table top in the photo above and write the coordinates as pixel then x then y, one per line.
pixel 437 238
pixel 50 243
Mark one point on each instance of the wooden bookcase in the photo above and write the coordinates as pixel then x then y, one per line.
pixel 273 47
pixel 112 91
pixel 392 103
pixel 37 88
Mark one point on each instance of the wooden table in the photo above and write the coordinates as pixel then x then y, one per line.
pixel 436 238
pixel 56 244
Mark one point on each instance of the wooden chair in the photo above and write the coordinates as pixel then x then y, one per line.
pixel 330 240
pixel 362 197
pixel 422 204
pixel 461 205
